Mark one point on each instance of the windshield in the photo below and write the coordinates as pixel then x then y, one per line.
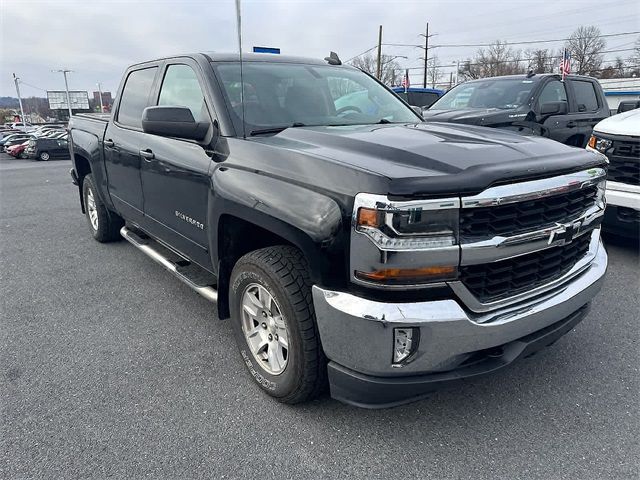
pixel 495 93
pixel 278 95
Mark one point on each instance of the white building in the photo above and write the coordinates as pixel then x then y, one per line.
pixel 618 90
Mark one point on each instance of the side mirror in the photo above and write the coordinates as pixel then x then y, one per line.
pixel 628 105
pixel 418 110
pixel 554 108
pixel 173 122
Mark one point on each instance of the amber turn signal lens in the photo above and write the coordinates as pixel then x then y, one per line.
pixel 391 274
pixel 592 142
pixel 368 217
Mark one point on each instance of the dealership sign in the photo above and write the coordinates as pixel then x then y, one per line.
pixel 58 100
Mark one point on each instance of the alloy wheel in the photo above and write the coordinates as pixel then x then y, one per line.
pixel 265 329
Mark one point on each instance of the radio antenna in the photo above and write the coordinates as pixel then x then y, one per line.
pixel 239 21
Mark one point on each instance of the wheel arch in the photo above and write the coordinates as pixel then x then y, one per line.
pixel 238 234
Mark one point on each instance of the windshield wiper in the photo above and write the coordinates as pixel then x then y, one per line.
pixel 266 131
pixel 384 120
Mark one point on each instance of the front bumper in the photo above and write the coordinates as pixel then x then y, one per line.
pixel 455 343
pixel 622 195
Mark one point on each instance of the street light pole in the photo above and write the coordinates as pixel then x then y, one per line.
pixel 24 119
pixel 100 93
pixel 66 86
pixel 379 69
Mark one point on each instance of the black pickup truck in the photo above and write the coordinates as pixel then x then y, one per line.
pixel 543 105
pixel 353 246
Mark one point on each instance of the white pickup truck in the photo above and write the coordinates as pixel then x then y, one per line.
pixel 618 137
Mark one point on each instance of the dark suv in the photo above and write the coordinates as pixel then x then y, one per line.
pixel 48 148
pixel 543 105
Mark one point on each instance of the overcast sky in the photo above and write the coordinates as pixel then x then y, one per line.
pixel 99 38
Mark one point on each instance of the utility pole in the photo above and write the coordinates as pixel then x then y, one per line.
pixel 379 69
pixel 66 86
pixel 23 118
pixel 426 56
pixel 100 93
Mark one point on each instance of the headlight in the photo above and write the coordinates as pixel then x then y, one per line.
pixel 600 144
pixel 410 228
pixel 414 242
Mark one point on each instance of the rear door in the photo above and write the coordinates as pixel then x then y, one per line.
pixel 585 108
pixel 175 172
pixel 124 139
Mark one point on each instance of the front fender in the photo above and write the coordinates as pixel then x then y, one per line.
pixel 304 218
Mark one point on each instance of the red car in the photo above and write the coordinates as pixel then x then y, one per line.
pixel 17 150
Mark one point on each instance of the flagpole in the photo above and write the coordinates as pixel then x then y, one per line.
pixel 239 24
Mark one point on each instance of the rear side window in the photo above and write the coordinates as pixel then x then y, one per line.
pixel 586 98
pixel 422 99
pixel 135 97
pixel 180 88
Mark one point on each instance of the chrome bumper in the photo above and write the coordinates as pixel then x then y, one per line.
pixel 357 333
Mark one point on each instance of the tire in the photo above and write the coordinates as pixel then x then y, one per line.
pixel 104 225
pixel 283 273
pixel 44 156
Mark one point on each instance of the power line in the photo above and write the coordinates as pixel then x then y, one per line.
pixel 32 86
pixel 525 42
pixel 515 60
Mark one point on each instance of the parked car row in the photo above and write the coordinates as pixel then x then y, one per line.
pixel 534 104
pixel 42 143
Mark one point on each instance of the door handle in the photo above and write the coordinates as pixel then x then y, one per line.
pixel 571 124
pixel 147 154
pixel 109 143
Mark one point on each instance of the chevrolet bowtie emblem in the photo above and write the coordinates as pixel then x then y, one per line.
pixel 563 234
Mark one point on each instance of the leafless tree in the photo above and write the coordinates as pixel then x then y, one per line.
pixel 586 46
pixel 494 61
pixel 633 62
pixel 540 61
pixel 391 73
pixel 433 71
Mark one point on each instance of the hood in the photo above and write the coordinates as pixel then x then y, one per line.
pixel 627 123
pixel 435 158
pixel 475 116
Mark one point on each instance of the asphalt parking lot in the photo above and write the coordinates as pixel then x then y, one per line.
pixel 110 367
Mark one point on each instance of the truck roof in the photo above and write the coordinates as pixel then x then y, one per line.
pixel 246 57
pixel 524 76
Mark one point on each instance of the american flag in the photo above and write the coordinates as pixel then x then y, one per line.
pixel 565 64
pixel 405 81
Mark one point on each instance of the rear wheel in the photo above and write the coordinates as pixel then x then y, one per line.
pixel 274 323
pixel 44 156
pixel 104 225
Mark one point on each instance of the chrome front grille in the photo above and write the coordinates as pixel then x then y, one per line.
pixel 520 239
pixel 529 215
pixel 494 281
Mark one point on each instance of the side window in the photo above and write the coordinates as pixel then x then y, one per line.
pixel 63 143
pixel 181 88
pixel 586 98
pixel 135 97
pixel 553 91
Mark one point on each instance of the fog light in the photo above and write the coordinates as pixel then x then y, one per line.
pixel 405 343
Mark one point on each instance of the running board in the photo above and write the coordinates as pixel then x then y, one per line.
pixel 144 245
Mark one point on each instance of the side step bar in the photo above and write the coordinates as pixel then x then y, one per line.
pixel 141 244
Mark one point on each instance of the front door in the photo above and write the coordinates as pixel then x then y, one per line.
pixel 558 127
pixel 175 172
pixel 122 142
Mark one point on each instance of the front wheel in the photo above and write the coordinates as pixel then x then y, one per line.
pixel 104 225
pixel 44 156
pixel 274 323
